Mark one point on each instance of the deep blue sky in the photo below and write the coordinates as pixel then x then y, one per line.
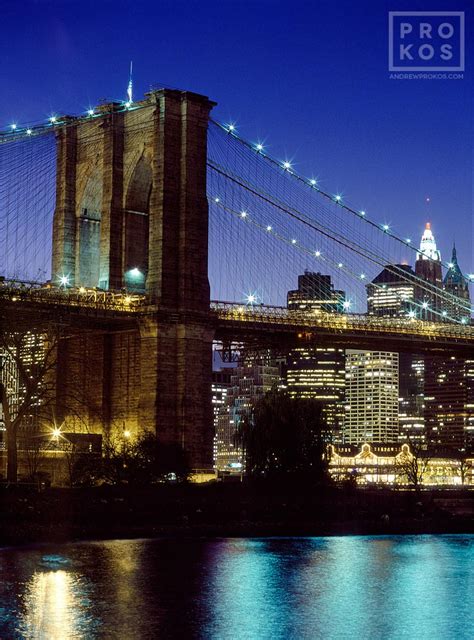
pixel 311 78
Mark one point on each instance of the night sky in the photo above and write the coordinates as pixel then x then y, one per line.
pixel 311 79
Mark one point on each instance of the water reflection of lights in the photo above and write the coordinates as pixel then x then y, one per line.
pixel 53 606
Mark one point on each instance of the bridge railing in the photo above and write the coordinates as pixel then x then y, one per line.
pixel 35 292
pixel 339 321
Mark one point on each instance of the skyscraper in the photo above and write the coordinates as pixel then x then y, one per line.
pixel 313 371
pixel 248 384
pixel 458 305
pixel 392 291
pixel 220 387
pixel 449 381
pixel 316 291
pixel 371 397
pixel 449 401
pixel 428 268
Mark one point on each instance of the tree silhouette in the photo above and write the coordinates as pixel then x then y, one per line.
pixel 284 437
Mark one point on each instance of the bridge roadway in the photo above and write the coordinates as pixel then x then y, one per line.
pixel 259 326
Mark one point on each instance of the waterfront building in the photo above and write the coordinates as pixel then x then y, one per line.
pixel 391 464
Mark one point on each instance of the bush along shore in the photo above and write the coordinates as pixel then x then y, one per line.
pixel 226 509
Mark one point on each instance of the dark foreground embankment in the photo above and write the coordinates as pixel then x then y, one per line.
pixel 56 515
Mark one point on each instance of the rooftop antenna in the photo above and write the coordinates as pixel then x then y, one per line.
pixel 130 86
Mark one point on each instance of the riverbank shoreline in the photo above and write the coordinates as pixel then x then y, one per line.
pixel 221 510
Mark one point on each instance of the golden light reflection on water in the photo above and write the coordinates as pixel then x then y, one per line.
pixel 52 606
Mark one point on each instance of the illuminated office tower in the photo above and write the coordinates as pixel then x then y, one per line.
pixel 10 379
pixel 371 397
pixel 449 381
pixel 428 268
pixel 220 387
pixel 247 385
pixel 390 294
pixel 411 401
pixel 319 373
pixel 449 401
pixel 392 291
pixel 313 371
pixel 316 291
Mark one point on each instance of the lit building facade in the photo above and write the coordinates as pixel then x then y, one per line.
pixel 371 413
pixel 411 400
pixel 316 291
pixel 317 372
pixel 392 291
pixel 247 385
pixel 10 379
pixel 428 268
pixel 449 401
pixel 219 388
pixel 392 465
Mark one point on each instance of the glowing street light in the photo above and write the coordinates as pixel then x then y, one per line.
pixel 29 132
pixel 90 112
pixel 411 314
pixel 269 227
pixel 337 197
pixel 287 165
pixel 259 146
pixel 13 126
pixel 347 305
pixel 243 214
pixel 312 182
pixel 127 434
pixel 64 281
pixel 317 253
pixel 53 119
pixel 251 298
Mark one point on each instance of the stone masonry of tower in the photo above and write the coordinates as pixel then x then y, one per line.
pixel 131 213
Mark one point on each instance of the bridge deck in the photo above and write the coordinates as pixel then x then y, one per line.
pixel 234 320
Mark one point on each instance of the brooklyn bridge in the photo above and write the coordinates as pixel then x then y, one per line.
pixel 156 235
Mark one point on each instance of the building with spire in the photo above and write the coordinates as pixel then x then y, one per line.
pixel 449 381
pixel 458 306
pixel 428 268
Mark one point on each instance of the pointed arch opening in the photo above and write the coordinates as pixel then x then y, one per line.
pixel 89 215
pixel 137 207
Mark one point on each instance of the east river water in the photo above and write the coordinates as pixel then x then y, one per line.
pixel 358 587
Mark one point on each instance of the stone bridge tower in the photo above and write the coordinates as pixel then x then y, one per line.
pixel 131 213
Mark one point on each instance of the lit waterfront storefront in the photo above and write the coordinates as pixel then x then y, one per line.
pixel 399 465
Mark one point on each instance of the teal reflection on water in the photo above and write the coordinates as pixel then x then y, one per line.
pixel 389 587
